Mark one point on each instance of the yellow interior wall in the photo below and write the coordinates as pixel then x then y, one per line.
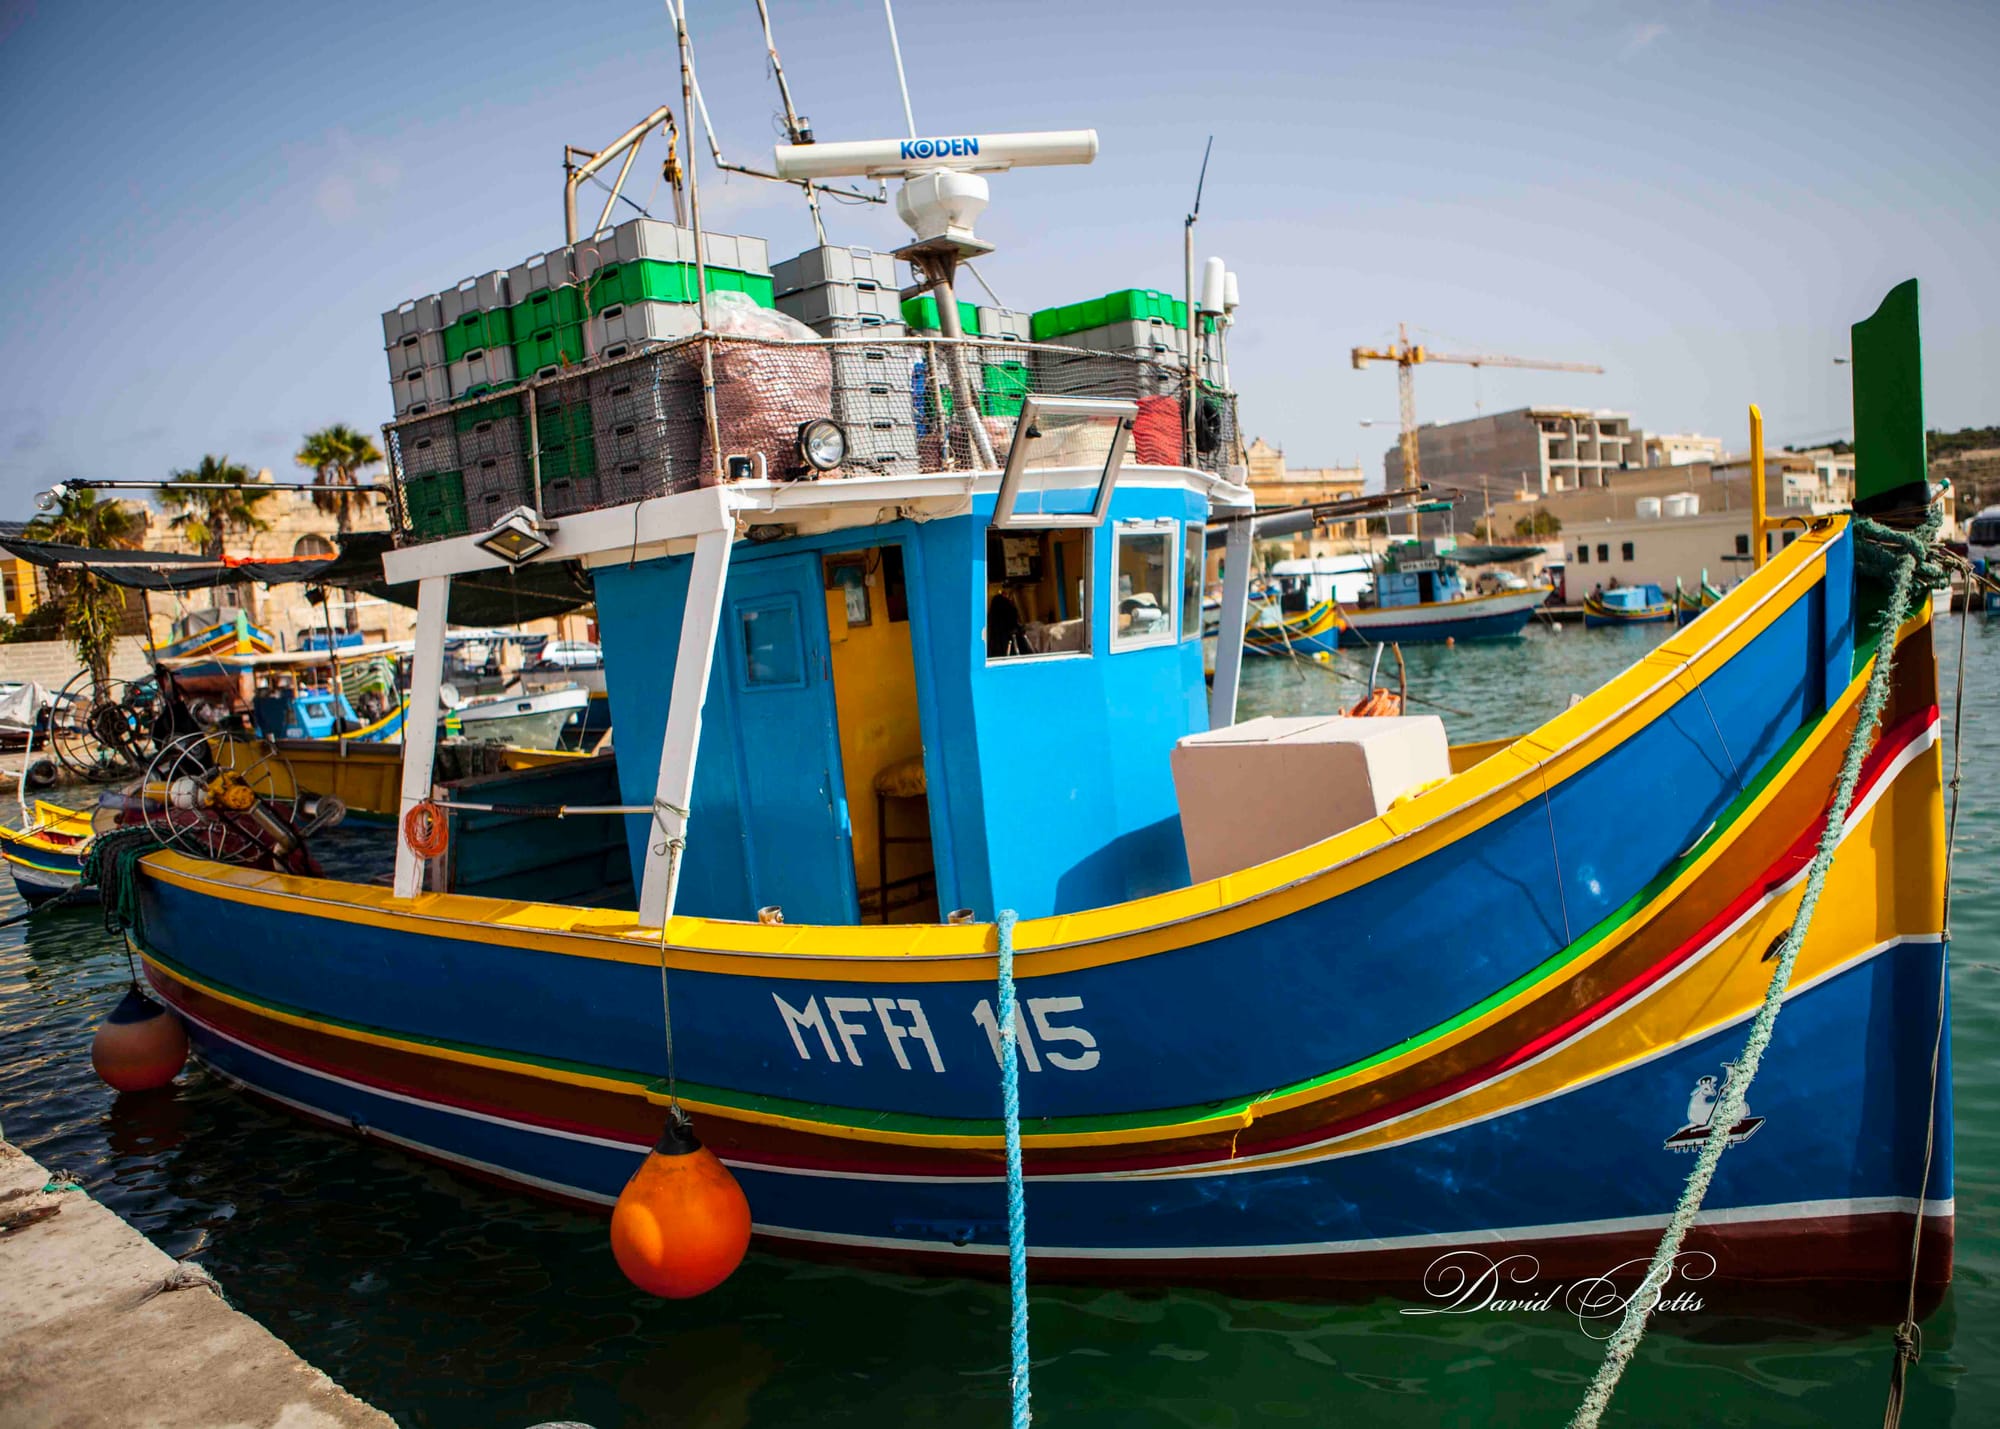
pixel 875 698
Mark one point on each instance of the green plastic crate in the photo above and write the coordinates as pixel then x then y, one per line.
pixel 546 311
pixel 646 281
pixel 435 504
pixel 568 459
pixel 922 314
pixel 468 418
pixel 560 347
pixel 1003 385
pixel 1125 305
pixel 475 331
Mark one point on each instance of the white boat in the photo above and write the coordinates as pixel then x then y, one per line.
pixel 533 719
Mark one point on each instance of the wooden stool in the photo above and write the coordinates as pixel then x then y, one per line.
pixel 902 780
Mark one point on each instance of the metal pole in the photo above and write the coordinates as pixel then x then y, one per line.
pixel 791 114
pixel 700 263
pixel 1756 487
pixel 961 367
pixel 1193 384
pixel 1230 623
pixel 572 176
pixel 611 199
pixel 534 447
pixel 902 81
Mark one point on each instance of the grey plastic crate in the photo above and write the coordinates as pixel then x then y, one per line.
pixel 566 495
pixel 415 316
pixel 474 295
pixel 422 389
pixel 414 350
pixel 828 302
pixel 870 326
pixel 495 485
pixel 873 384
pixel 623 329
pixel 852 267
pixel 1003 323
pixel 661 242
pixel 481 367
pixel 881 446
pixel 1131 335
pixel 539 271
pixel 498 436
pixel 428 446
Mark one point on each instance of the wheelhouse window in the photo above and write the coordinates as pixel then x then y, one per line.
pixel 1194 557
pixel 1037 593
pixel 1142 583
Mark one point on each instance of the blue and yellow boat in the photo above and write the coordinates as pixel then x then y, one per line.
pixel 1275 631
pixel 1493 1014
pixel 45 856
pixel 1627 605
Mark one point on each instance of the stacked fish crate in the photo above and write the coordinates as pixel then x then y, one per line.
pixel 850 295
pixel 600 300
pixel 1001 370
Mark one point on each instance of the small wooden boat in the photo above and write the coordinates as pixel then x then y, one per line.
pixel 1627 605
pixel 1274 631
pixel 1690 603
pixel 45 857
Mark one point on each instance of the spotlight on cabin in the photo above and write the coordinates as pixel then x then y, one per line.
pixel 516 537
pixel 822 444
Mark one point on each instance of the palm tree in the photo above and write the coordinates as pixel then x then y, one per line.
pixel 92 608
pixel 337 455
pixel 208 518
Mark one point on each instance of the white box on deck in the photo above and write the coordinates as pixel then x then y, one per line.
pixel 1267 787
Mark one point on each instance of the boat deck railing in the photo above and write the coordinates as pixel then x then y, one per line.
pixel 622 429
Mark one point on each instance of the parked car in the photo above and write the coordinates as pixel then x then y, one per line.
pixel 571 655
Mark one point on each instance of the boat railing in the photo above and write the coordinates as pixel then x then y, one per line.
pixel 621 429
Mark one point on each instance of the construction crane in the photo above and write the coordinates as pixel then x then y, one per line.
pixel 1406 355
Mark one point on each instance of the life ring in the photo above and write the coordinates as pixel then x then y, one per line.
pixel 426 829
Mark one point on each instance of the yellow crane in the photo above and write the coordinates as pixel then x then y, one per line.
pixel 1406 355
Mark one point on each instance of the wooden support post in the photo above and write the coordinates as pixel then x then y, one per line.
pixel 1757 495
pixel 420 724
pixel 1235 614
pixel 700 622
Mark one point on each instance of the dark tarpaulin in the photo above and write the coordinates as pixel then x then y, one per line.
pixel 1494 555
pixel 163 570
pixel 497 597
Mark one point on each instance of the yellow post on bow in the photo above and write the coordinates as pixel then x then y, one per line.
pixel 1757 554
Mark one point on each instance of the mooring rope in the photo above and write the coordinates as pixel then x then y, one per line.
pixel 1904 556
pixel 1017 1203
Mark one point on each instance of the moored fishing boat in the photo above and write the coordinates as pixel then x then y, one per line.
pixel 1418 596
pixel 45 855
pixel 1627 605
pixel 529 719
pixel 1490 1011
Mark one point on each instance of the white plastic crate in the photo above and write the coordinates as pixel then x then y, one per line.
pixel 1132 335
pixel 828 302
pixel 630 394
pixel 421 389
pixel 427 446
pixel 414 350
pixel 542 270
pixel 1003 323
pixel 415 316
pixel 623 329
pixel 475 295
pixel 881 447
pixel 481 367
pixel 869 327
pixel 852 267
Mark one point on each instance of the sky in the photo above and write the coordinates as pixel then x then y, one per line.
pixel 214 202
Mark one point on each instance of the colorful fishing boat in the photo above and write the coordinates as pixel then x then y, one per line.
pixel 45 856
pixel 1418 596
pixel 1690 603
pixel 1627 605
pixel 1275 631
pixel 1491 1012
pixel 215 632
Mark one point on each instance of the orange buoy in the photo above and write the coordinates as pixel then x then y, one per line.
pixel 682 1224
pixel 140 1046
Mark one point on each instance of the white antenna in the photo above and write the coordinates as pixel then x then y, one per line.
pixel 896 49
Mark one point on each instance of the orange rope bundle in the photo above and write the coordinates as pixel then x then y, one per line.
pixel 1378 702
pixel 426 829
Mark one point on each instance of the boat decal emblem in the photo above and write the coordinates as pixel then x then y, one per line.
pixel 1702 1102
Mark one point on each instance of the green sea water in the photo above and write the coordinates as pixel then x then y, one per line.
pixel 448 1303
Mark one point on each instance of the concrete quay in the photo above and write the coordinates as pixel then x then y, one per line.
pixel 100 1327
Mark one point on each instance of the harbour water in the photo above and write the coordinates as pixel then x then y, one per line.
pixel 445 1302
